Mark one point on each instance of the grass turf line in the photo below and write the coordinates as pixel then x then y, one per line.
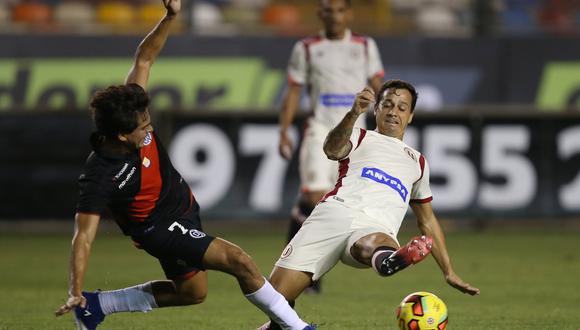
pixel 528 281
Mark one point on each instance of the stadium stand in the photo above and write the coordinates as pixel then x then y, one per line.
pixel 439 18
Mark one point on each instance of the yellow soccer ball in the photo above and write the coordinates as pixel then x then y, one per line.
pixel 422 311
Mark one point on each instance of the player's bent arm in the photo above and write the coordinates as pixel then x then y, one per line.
pixel 85 231
pixel 337 144
pixel 376 82
pixel 429 225
pixel 289 109
pixel 86 225
pixel 290 106
pixel 152 45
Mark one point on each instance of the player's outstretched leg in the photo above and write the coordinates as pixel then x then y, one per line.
pixel 300 212
pixel 273 326
pixel 229 258
pixel 387 263
pixel 89 317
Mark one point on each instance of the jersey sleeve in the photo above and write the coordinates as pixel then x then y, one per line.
pixel 356 138
pixel 297 66
pixel 421 192
pixel 94 191
pixel 375 65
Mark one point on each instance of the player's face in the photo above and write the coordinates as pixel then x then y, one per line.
pixel 335 15
pixel 136 139
pixel 393 113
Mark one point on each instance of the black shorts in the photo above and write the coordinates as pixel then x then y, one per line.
pixel 179 245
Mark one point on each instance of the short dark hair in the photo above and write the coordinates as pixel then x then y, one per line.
pixel 115 110
pixel 348 2
pixel 398 84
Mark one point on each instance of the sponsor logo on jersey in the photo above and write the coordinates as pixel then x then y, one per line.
pixel 410 153
pixel 146 162
pixel 124 182
pixel 123 169
pixel 147 140
pixel 338 199
pixel 383 178
pixel 337 100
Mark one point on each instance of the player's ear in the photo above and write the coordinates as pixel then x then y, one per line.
pixel 411 117
pixel 122 137
pixel 349 15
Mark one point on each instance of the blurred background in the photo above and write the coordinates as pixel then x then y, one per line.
pixel 498 114
pixel 498 118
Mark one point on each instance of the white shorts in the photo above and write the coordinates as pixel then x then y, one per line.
pixel 327 236
pixel 317 172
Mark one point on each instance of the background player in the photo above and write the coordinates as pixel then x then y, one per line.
pixel 358 221
pixel 334 66
pixel 130 173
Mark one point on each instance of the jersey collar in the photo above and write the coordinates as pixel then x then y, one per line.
pixel 106 153
pixel 347 36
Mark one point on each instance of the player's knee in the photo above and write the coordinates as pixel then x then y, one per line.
pixel 362 251
pixel 241 264
pixel 192 296
pixel 194 299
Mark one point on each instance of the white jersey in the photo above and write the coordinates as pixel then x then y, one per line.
pixel 380 176
pixel 333 72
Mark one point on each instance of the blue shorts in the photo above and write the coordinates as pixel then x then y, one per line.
pixel 179 245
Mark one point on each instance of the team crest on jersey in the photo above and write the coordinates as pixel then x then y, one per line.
pixel 354 54
pixel 287 252
pixel 147 140
pixel 146 162
pixel 196 233
pixel 410 153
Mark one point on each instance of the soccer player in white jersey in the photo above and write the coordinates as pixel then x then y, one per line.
pixel 333 66
pixel 358 221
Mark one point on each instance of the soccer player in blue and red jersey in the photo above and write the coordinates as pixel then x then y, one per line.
pixel 130 173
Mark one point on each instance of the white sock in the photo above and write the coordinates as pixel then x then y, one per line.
pixel 136 298
pixel 276 307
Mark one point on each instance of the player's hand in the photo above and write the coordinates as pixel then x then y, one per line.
pixel 456 282
pixel 71 303
pixel 363 99
pixel 173 7
pixel 285 147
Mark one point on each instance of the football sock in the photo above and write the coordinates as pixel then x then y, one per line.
pixel 276 307
pixel 316 286
pixel 138 298
pixel 273 324
pixel 300 212
pixel 380 258
pixel 294 227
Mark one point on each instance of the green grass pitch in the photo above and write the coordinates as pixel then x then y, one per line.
pixel 528 280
